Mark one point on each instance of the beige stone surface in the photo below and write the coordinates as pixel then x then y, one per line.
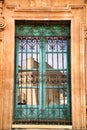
pixel 43 3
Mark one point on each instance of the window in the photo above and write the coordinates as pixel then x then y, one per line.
pixel 42 72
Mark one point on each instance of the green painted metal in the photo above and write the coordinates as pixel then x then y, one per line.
pixel 58 113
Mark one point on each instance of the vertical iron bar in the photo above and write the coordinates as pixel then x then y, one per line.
pixel 42 110
pixel 52 53
pixel 47 76
pixel 37 65
pixel 58 78
pixel 17 75
pixel 53 68
pixel 68 79
pixel 63 27
pixel 40 79
pixel 32 73
pixel 26 75
pixel 37 81
pixel 63 75
pixel 21 76
pixel 57 53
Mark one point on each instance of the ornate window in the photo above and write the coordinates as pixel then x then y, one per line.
pixel 42 73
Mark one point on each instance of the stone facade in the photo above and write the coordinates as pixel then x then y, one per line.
pixel 73 10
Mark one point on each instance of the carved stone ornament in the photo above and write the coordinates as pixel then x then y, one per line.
pixel 2 23
pixel 85 1
pixel 85 31
pixel 2 0
pixel 2 20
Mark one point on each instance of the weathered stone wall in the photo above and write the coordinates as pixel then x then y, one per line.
pixel 74 10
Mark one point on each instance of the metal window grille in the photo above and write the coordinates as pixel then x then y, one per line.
pixel 42 73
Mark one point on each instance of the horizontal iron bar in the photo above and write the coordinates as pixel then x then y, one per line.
pixel 28 52
pixel 30 36
pixel 24 106
pixel 54 52
pixel 37 87
pixel 22 69
pixel 56 69
pixel 44 121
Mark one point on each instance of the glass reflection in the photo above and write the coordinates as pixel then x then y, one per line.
pixel 28 75
pixel 28 97
pixel 56 96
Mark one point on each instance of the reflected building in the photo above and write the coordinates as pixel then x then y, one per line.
pixel 29 82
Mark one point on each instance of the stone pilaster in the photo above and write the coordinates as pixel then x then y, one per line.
pixel 2 26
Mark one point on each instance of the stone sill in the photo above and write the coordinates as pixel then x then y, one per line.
pixel 41 126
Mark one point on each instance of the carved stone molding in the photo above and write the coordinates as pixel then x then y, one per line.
pixel 11 7
pixel 2 23
pixel 2 19
pixel 85 31
pixel 76 6
pixel 85 1
pixel 1 0
pixel 35 8
pixel 43 6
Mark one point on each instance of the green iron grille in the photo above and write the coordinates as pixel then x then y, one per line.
pixel 42 73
